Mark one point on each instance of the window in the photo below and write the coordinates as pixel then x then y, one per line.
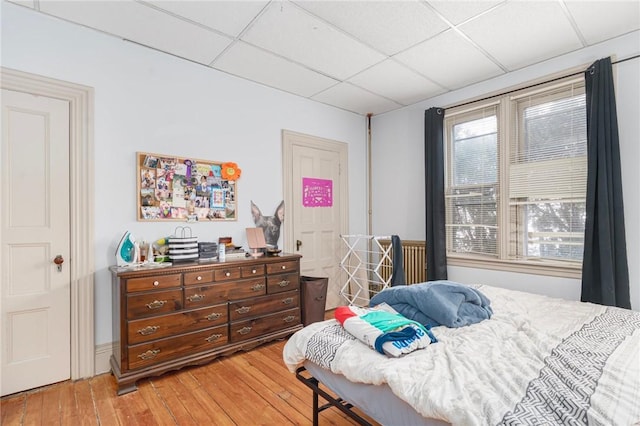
pixel 472 182
pixel 516 170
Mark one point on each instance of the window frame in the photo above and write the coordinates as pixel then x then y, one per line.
pixel 506 132
pixel 473 113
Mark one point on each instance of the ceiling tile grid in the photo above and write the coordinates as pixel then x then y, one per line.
pixel 406 87
pixel 450 60
pixel 456 12
pixel 621 17
pixel 139 23
pixel 260 66
pixel 228 17
pixel 363 56
pixel 352 98
pixel 523 33
pixel 297 35
pixel 410 22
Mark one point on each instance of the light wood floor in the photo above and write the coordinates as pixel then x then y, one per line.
pixel 247 388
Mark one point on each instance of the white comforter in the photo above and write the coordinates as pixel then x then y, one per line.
pixel 538 360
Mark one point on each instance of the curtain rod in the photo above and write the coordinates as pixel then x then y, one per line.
pixel 535 85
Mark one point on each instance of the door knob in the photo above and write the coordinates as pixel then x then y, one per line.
pixel 298 244
pixel 59 260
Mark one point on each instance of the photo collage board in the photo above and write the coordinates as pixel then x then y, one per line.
pixel 183 189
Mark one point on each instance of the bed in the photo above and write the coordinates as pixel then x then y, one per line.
pixel 537 360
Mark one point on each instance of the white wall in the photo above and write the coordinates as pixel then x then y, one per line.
pixel 153 102
pixel 398 164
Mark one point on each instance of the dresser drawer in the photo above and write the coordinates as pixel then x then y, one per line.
pixel 252 271
pixel 284 282
pixel 282 267
pixel 263 305
pixel 201 277
pixel 213 294
pixel 247 288
pixel 245 330
pixel 205 295
pixel 153 283
pixel 144 330
pixel 225 274
pixel 167 349
pixel 154 303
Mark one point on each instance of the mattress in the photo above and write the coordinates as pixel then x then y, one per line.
pixel 536 358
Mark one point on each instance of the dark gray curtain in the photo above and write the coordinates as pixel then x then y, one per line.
pixel 605 273
pixel 397 260
pixel 434 186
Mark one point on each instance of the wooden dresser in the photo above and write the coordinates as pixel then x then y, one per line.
pixel 186 314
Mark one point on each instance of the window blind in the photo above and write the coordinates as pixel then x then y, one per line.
pixel 548 173
pixel 472 180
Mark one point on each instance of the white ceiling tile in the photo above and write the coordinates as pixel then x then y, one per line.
pixel 449 60
pixel 621 17
pixel 351 98
pixel 523 33
pixel 291 32
pixel 27 3
pixel 396 82
pixel 410 22
pixel 255 64
pixel 144 25
pixel 229 17
pixel 459 11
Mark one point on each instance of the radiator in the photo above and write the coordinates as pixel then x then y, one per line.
pixel 414 261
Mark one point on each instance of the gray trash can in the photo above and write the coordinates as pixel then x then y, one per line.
pixel 314 298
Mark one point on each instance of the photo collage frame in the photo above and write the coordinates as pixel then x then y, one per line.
pixel 183 189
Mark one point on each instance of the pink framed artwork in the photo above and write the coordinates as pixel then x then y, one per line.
pixel 317 192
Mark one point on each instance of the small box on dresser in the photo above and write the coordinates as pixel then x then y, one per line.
pixel 190 313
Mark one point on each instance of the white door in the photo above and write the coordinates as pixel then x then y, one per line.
pixel 35 330
pixel 318 201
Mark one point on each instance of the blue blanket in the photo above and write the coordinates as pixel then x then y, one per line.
pixel 437 303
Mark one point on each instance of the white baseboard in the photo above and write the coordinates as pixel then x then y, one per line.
pixel 103 353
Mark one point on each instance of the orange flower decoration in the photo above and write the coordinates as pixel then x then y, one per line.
pixel 230 171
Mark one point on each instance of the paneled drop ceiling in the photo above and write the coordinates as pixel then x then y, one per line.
pixel 361 56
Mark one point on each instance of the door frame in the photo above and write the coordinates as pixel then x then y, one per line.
pixel 291 139
pixel 81 186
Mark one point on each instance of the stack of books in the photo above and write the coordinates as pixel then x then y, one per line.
pixel 235 253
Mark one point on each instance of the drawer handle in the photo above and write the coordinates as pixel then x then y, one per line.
pixel 150 354
pixel 284 283
pixel 227 274
pixel 199 278
pixel 287 301
pixel 150 329
pixel 156 283
pixel 290 318
pixel 284 267
pixel 243 309
pixel 156 304
pixel 245 330
pixel 254 271
pixel 196 297
pixel 214 316
pixel 257 287
pixel 213 338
